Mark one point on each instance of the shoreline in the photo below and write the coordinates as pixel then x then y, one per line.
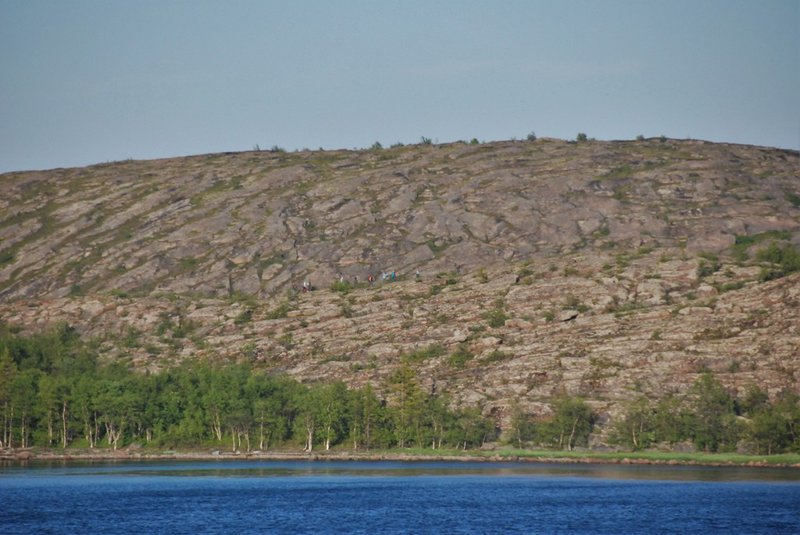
pixel 19 455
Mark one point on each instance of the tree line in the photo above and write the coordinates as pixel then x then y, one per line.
pixel 708 416
pixel 714 420
pixel 55 392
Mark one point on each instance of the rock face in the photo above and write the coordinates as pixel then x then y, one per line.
pixel 261 222
pixel 603 269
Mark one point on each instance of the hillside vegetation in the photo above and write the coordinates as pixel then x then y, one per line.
pixel 524 271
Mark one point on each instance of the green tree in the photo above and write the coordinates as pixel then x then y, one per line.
pixel 755 400
pixel 440 420
pixel 636 428
pixel 573 422
pixel 672 420
pixel 63 399
pixel 522 426
pixel 182 413
pixel 769 431
pixel 472 429
pixel 714 422
pixel 269 401
pixel 407 403
pixel 117 400
pixel 367 417
pixel 23 400
pixel 215 400
pixel 774 428
pixel 333 412
pixel 308 416
pixel 86 405
pixel 8 372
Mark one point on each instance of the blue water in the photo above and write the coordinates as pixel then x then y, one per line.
pixel 394 497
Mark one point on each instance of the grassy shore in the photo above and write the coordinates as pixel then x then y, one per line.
pixel 644 457
pixel 788 460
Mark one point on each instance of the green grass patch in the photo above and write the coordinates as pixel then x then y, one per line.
pixel 341 286
pixel 793 198
pixel 335 358
pixel 622 171
pixel 245 299
pixel 120 294
pixel 704 269
pixel 6 257
pixel 430 352
pixel 618 456
pixel 436 249
pixel 729 286
pixel 743 243
pixel 495 318
pixel 784 260
pixel 459 358
pixel 496 356
pixel 245 316
pixel 657 456
pixel 279 312
pixel 188 263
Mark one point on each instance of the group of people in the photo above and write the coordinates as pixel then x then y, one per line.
pixel 389 276
pixel 385 276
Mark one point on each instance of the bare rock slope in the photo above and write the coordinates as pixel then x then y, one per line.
pixel 603 269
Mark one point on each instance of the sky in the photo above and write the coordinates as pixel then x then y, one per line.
pixel 85 82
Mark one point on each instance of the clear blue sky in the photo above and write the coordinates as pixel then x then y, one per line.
pixel 93 81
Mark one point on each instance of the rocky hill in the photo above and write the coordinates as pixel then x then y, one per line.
pixel 523 269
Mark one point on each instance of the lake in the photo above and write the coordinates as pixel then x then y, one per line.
pixel 393 497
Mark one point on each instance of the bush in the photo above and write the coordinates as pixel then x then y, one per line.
pixel 341 286
pixel 280 312
pixel 793 198
pixel 6 257
pixel 496 356
pixel 496 317
pixel 581 137
pixel 460 357
pixel 287 341
pixel 744 242
pixel 245 316
pixel 786 259
pixel 704 269
pixel 532 136
pixel 430 352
